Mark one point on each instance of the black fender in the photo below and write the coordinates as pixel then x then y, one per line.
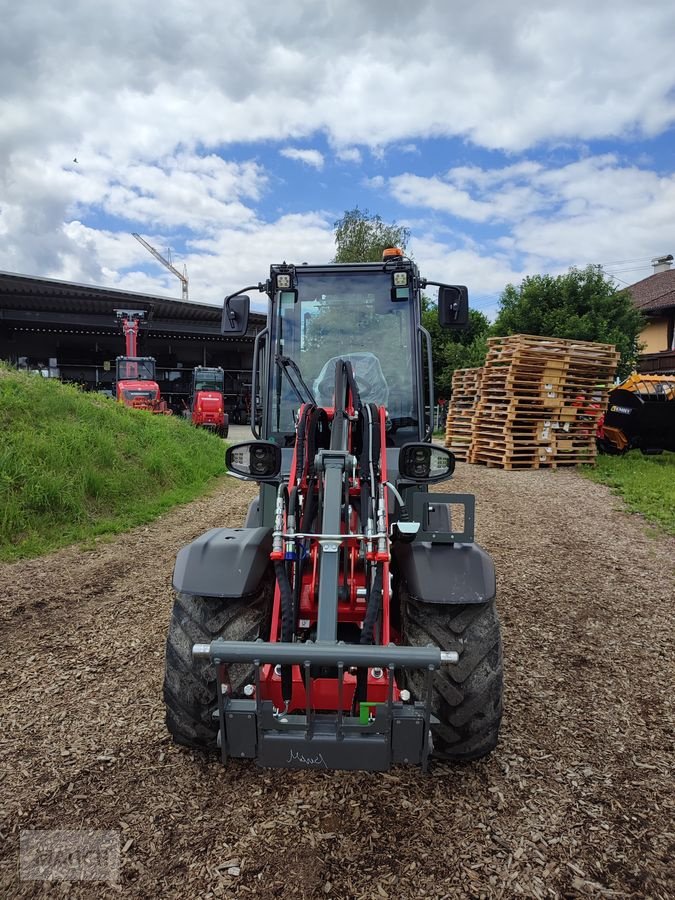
pixel 253 514
pixel 224 562
pixel 445 573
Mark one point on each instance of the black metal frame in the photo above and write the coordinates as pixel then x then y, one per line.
pixel 394 733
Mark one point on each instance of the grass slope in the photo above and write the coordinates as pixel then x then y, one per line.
pixel 646 483
pixel 76 465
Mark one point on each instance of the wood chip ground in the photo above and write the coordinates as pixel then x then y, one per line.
pixel 577 801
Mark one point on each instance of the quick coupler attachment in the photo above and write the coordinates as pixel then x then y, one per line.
pixel 373 737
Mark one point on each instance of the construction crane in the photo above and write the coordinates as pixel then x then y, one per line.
pixel 167 262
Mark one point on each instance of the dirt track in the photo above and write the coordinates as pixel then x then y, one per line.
pixel 576 801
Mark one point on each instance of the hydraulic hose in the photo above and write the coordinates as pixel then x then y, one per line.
pixel 373 608
pixel 287 625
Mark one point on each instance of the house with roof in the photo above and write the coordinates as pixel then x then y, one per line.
pixel 655 298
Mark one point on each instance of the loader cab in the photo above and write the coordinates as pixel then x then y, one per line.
pixel 136 380
pixel 207 379
pixel 366 313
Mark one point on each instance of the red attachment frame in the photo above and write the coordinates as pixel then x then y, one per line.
pixel 325 692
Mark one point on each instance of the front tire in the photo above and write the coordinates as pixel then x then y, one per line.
pixel 190 684
pixel 466 697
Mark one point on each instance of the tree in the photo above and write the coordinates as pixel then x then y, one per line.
pixel 452 350
pixel 360 237
pixel 583 304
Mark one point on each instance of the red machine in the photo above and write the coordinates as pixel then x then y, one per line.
pixel 135 375
pixel 351 622
pixel 207 403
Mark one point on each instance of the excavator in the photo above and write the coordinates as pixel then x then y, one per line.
pixel 135 375
pixel 640 415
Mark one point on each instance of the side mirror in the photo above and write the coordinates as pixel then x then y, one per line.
pixel 235 315
pixel 257 460
pixel 425 463
pixel 453 306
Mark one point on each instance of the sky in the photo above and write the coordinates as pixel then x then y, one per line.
pixel 512 137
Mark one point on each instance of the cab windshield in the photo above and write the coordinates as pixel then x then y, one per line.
pixel 209 383
pixel 130 369
pixel 354 318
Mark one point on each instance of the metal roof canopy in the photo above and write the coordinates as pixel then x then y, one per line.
pixel 27 300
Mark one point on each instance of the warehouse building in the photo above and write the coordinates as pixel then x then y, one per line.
pixel 70 331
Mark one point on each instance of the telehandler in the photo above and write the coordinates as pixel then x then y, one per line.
pixel 135 378
pixel 350 623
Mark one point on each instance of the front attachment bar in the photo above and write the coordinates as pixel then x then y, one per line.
pixel 382 734
pixel 324 654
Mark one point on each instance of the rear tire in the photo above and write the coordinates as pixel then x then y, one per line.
pixel 190 684
pixel 466 697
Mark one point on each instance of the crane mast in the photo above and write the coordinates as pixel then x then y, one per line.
pixel 166 262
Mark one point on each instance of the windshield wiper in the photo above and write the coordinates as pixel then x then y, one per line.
pixel 288 365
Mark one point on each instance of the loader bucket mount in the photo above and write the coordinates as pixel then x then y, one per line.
pixel 322 702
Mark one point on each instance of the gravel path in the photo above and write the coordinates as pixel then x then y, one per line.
pixel 576 801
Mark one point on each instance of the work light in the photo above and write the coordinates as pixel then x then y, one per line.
pixel 425 462
pixel 257 460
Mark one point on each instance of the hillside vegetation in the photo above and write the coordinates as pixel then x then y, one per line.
pixel 74 465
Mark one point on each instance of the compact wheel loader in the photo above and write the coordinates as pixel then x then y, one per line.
pixel 350 623
pixel 207 400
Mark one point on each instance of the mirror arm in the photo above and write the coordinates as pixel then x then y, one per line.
pixel 254 287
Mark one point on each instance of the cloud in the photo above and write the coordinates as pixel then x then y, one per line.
pixel 593 210
pixel 177 120
pixel 217 264
pixel 310 157
pixel 510 76
pixel 486 275
pixel 349 154
pixel 376 182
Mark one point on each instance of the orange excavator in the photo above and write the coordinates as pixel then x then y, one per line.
pixel 135 375
pixel 640 415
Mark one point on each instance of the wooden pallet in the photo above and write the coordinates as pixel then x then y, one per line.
pixel 466 384
pixel 539 401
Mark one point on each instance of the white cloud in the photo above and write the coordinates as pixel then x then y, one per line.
pixel 592 211
pixel 217 264
pixel 349 154
pixel 486 274
pixel 157 107
pixel 376 182
pixel 310 157
pixel 137 84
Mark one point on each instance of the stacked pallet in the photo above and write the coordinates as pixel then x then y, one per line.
pixel 539 401
pixel 459 423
